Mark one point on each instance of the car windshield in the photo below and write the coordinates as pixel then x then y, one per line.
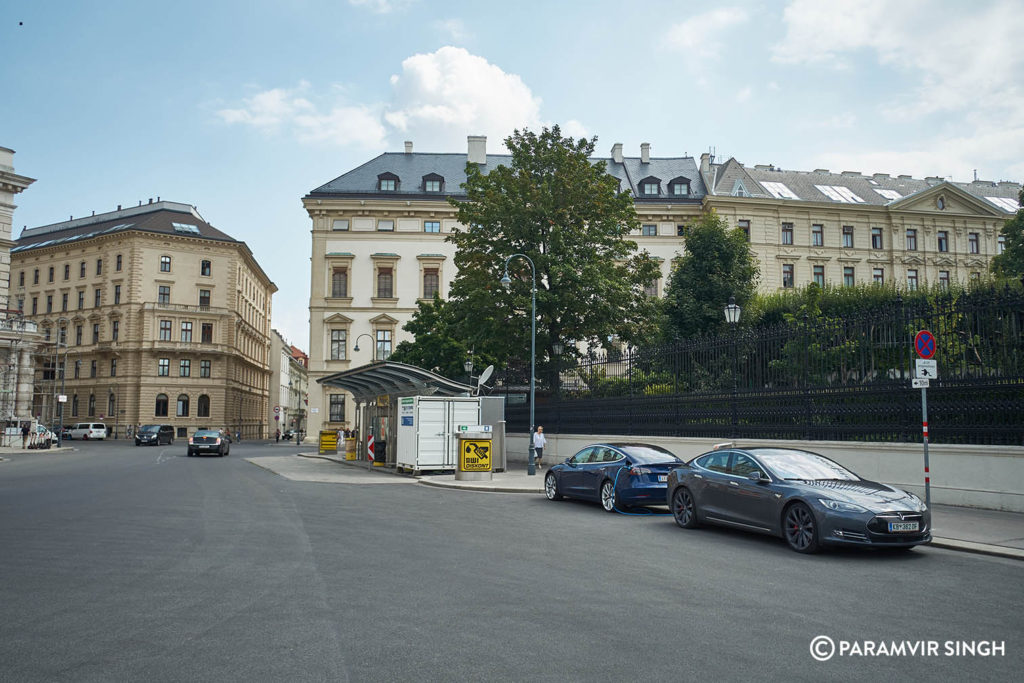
pixel 648 454
pixel 149 429
pixel 788 464
pixel 207 432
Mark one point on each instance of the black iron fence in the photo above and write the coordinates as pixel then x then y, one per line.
pixel 843 378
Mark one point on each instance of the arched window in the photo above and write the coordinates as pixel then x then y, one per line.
pixel 92 405
pixel 161 405
pixel 203 406
pixel 183 405
pixel 165 264
pixel 112 405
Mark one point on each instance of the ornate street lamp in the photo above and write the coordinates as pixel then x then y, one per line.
pixel 531 467
pixel 732 316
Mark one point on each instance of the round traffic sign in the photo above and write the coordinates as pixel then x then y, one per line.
pixel 277 409
pixel 924 344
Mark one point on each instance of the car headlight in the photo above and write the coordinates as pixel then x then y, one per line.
pixel 920 503
pixel 841 506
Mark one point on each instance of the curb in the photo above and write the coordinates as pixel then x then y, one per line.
pixel 489 488
pixel 977 548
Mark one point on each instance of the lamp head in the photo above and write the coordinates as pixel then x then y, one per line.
pixel 506 281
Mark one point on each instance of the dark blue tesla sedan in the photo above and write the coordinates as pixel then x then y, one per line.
pixel 617 475
pixel 798 495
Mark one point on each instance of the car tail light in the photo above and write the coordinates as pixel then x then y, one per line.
pixel 637 471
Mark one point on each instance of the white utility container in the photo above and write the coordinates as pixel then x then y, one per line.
pixel 428 430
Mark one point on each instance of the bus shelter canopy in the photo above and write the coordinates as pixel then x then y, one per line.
pixel 367 382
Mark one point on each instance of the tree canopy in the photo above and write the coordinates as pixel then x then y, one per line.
pixel 1010 264
pixel 717 265
pixel 564 212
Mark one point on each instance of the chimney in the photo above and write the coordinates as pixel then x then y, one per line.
pixel 477 153
pixel 705 163
pixel 645 152
pixel 617 152
pixel 408 146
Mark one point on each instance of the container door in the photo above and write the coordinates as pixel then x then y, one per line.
pixel 462 412
pixel 431 435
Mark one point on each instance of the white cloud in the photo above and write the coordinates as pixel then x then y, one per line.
pixel 453 29
pixel 701 35
pixel 436 100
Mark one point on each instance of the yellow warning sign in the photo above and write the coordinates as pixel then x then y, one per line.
pixel 475 456
pixel 328 441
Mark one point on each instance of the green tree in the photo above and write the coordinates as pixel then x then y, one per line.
pixel 717 265
pixel 1010 264
pixel 442 344
pixel 568 216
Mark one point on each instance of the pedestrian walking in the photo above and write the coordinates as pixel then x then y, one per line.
pixel 24 434
pixel 277 436
pixel 538 445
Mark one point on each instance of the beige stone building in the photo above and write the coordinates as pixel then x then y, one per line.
pixel 157 317
pixel 378 237
pixel 289 386
pixel 19 338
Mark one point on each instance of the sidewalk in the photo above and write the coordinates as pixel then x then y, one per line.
pixel 989 532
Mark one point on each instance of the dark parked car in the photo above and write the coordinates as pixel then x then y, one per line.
pixel 212 441
pixel 801 496
pixel 617 475
pixel 154 435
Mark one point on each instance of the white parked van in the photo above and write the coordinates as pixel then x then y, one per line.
pixel 88 430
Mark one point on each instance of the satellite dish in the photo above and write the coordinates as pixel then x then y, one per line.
pixel 484 376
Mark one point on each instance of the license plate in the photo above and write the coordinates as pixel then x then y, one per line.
pixel 662 477
pixel 903 526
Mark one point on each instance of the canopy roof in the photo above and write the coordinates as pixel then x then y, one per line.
pixel 386 377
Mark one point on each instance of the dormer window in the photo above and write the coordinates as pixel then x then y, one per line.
pixel 650 186
pixel 387 182
pixel 434 183
pixel 680 187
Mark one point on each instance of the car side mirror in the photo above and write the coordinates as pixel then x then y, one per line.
pixel 759 476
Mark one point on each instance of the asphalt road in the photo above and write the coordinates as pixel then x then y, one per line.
pixel 139 564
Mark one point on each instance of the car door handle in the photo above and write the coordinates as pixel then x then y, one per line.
pixel 732 483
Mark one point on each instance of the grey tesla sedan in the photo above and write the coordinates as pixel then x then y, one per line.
pixel 801 496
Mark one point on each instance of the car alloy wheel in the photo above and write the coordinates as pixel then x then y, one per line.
pixel 800 530
pixel 551 487
pixel 608 496
pixel 683 508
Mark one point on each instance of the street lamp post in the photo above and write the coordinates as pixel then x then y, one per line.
pixel 61 339
pixel 356 347
pixel 468 367
pixel 732 316
pixel 531 467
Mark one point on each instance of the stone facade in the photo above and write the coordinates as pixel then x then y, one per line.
pixel 157 316
pixel 289 386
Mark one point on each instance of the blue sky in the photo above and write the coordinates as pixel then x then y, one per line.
pixel 241 108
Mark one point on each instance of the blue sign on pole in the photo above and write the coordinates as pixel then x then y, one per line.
pixel 924 344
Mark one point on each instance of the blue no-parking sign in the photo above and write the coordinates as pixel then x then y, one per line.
pixel 924 344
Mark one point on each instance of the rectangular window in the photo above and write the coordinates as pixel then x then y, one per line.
pixel 51 274
pixel 78 369
pixel 339 224
pixel 99 266
pixel 339 282
pixel 115 329
pixel 205 368
pixel 943 240
pixel 431 185
pixel 92 368
pixel 911 280
pixel 878 276
pixel 113 367
pixel 207 333
pixel 848 279
pixel 787 233
pixel 339 347
pixel 63 336
pixel 92 405
pixel 35 305
pixel 74 406
pixel 117 263
pixel 744 225
pixel 944 279
pixel 337 404
pixel 385 283
pixel 165 264
pixel 49 303
pixel 81 269
pixel 787 275
pixel 97 298
pixel 383 344
pixel 848 236
pixel 1001 244
pixel 973 245
pixel 35 276
pixel 431 282
pixel 387 185
pixel 163 368
pixel 817 235
pixel 819 275
pixel 81 300
pixel 911 240
pixel 204 298
pixel 876 238
pixel 165 330
pixel 431 226
pixel 385 225
pixel 78 335
pixel 96 333
pixel 67 271
pixel 163 294
pixel 21 278
pixel 186 331
pixel 206 268
pixel 117 294
pixel 185 368
pixel 64 301
pixel 648 230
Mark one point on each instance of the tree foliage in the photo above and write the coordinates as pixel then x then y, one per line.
pixel 717 265
pixel 565 213
pixel 1010 264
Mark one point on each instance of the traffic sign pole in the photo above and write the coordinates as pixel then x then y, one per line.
pixel 924 344
pixel 924 431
